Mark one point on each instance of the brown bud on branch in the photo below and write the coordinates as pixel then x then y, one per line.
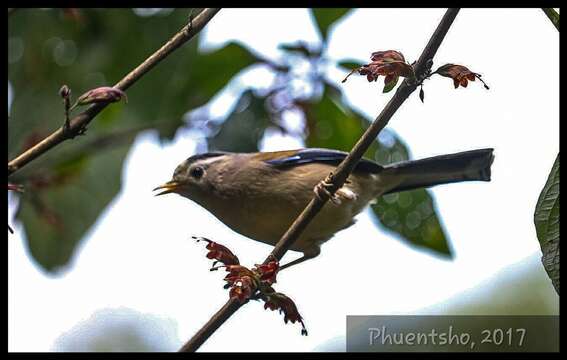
pixel 104 94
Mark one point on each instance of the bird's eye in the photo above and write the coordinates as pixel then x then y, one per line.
pixel 197 172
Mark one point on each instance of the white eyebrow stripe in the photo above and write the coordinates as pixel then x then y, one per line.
pixel 208 161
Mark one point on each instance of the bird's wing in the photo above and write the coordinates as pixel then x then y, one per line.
pixel 282 159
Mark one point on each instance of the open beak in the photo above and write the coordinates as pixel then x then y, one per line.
pixel 167 188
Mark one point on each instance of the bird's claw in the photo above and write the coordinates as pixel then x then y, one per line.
pixel 323 188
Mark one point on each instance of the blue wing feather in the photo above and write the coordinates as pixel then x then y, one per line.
pixel 326 156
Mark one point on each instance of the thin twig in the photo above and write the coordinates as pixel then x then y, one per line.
pixel 337 179
pixel 553 16
pixel 79 122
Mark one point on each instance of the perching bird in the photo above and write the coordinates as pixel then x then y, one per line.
pixel 260 194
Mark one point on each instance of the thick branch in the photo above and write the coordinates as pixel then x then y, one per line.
pixel 337 180
pixel 80 121
pixel 553 16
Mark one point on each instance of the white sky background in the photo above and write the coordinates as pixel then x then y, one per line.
pixel 139 254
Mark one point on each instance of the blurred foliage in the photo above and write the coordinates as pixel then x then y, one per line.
pixel 69 187
pixel 120 330
pixel 546 215
pixel 546 220
pixel 325 17
pixel 301 48
pixel 244 127
pixel 60 205
pixel 97 47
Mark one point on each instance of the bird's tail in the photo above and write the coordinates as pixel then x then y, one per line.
pixel 464 166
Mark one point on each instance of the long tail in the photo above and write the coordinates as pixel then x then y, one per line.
pixel 464 166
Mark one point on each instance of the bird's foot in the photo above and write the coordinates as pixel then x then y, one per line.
pixel 322 189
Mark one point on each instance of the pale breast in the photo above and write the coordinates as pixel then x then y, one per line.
pixel 270 199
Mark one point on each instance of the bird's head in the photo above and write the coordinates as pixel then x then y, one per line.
pixel 195 177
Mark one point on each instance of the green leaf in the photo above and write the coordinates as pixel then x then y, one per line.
pixel 325 17
pixel 392 84
pixel 212 71
pixel 350 64
pixel 331 125
pixel 97 51
pixel 58 213
pixel 191 82
pixel 114 42
pixel 546 220
pixel 244 127
pixel 302 48
pixel 411 215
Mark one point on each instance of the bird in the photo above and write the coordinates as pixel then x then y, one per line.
pixel 260 194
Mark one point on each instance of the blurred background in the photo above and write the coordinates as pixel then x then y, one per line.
pixel 97 263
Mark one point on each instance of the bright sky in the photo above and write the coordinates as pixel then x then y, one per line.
pixel 140 256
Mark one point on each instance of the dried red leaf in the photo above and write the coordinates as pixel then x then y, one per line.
pixel 219 252
pixel 389 63
pixel 267 272
pixel 243 288
pixel 236 272
pixel 460 74
pixel 389 78
pixel 242 282
pixel 388 55
pixel 279 301
pixel 245 283
pixel 270 305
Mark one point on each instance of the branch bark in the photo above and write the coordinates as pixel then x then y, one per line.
pixel 79 122
pixel 338 178
pixel 553 16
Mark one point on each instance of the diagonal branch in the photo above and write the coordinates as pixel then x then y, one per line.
pixel 338 178
pixel 553 16
pixel 79 122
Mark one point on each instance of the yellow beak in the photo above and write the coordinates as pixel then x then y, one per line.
pixel 167 188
